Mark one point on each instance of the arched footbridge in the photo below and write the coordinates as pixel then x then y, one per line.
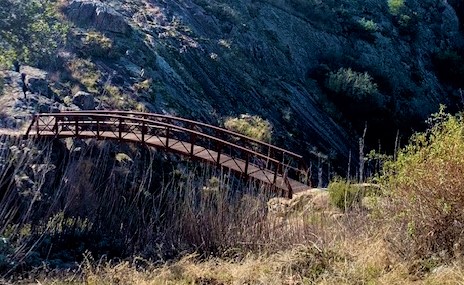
pixel 283 170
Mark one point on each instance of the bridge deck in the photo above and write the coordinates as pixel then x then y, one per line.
pixel 200 152
pixel 277 167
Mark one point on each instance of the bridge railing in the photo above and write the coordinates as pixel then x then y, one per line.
pixel 294 163
pixel 171 131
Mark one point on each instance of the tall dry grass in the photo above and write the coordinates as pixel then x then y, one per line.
pixel 193 224
pixel 61 199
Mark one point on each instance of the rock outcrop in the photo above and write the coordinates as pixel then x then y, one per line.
pixel 84 100
pixel 36 80
pixel 273 59
pixel 308 201
pixel 16 110
pixel 208 60
pixel 98 15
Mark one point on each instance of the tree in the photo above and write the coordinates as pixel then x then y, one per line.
pixel 30 31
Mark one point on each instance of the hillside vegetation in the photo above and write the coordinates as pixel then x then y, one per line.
pixel 328 79
pixel 317 71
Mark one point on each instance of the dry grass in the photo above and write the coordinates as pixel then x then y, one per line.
pixel 202 227
pixel 355 260
pixel 252 126
pixel 96 44
pixel 83 192
pixel 86 73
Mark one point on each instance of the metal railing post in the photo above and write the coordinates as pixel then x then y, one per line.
pixel 168 121
pixel 37 125
pixel 246 163
pixel 76 124
pixel 98 128
pixel 120 128
pixel 290 190
pixel 143 131
pixel 55 127
pixel 192 139
pixel 167 137
pixel 219 149
pixel 276 172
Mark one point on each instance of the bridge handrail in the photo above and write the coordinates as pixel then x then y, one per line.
pixel 226 131
pixel 189 131
pixel 102 118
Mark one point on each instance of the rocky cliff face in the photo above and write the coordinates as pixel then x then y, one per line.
pixel 319 71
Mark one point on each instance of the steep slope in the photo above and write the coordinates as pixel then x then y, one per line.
pixel 318 70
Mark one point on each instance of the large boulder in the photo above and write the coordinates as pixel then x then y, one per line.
pixel 49 108
pixel 311 200
pixel 36 80
pixel 7 122
pixel 98 15
pixel 84 100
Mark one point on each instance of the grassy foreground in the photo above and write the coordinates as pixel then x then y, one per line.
pixel 363 259
pixel 407 227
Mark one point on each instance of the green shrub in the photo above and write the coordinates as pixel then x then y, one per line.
pixel 97 44
pixel 344 195
pixel 356 85
pixel 368 25
pixel 7 56
pixel 252 126
pixel 112 91
pixel 143 86
pixel 395 6
pixel 86 73
pixel 30 31
pixel 426 185
pixel 404 20
pixel 116 99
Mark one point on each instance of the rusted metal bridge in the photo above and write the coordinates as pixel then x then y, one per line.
pixel 283 170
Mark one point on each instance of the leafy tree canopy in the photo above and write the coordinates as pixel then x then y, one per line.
pixel 31 31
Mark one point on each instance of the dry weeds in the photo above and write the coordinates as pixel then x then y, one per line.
pixel 224 238
pixel 363 260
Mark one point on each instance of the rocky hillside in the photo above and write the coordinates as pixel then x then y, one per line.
pixel 319 71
